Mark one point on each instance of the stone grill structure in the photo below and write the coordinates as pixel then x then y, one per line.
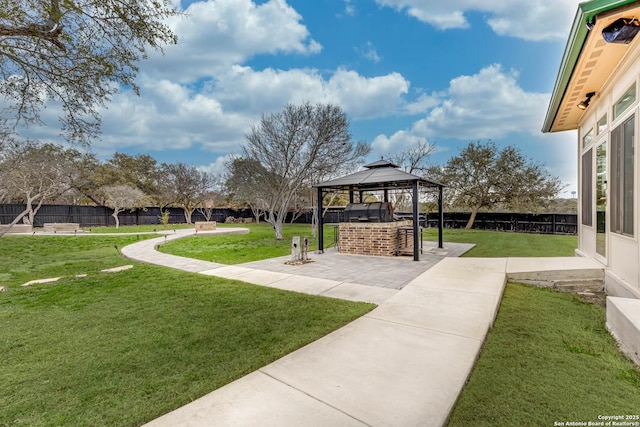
pixel 374 238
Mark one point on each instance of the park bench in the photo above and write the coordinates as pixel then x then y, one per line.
pixel 205 225
pixel 17 228
pixel 61 227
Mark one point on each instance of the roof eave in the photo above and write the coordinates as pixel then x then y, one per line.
pixel 577 37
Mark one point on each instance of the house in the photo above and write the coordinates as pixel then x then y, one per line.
pixel 596 93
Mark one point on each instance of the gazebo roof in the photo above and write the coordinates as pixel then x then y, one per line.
pixel 378 175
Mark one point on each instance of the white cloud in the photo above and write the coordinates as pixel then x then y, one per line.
pixel 383 145
pixel 489 104
pixel 525 19
pixel 486 105
pixel 369 52
pixel 216 116
pixel 215 34
pixel 218 166
pixel 267 90
pixel 367 97
pixel 349 8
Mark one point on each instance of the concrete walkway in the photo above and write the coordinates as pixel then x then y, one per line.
pixel 402 364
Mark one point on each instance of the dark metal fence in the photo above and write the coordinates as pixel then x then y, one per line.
pixel 99 216
pixel 517 222
pixel 95 216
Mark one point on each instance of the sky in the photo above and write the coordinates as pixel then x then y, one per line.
pixel 404 71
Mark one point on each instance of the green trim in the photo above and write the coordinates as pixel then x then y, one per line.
pixel 577 37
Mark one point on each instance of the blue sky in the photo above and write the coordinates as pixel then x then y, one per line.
pixel 405 71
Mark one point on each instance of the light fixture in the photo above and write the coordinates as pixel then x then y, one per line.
pixel 584 104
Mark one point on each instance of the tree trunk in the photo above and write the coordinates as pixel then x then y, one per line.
pixel 187 214
pixel 472 218
pixel 276 222
pixel 278 229
pixel 115 215
pixel 33 212
pixel 27 216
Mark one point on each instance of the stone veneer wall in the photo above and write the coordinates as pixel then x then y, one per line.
pixel 373 238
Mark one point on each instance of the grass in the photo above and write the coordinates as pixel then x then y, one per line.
pixel 549 358
pixel 498 244
pixel 40 257
pixel 259 244
pixel 124 348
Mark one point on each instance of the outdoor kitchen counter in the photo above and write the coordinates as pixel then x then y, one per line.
pixel 372 238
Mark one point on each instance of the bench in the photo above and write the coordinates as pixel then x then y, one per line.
pixel 205 225
pixel 61 227
pixel 17 228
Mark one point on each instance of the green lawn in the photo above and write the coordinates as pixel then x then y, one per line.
pixel 499 244
pixel 24 258
pixel 124 348
pixel 259 244
pixel 549 358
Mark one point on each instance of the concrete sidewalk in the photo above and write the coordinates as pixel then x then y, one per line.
pixel 402 364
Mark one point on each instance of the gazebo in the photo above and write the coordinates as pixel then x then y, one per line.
pixel 381 175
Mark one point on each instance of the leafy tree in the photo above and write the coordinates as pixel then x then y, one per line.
pixel 81 172
pixel 33 172
pixel 140 171
pixel 76 53
pixel 294 149
pixel 122 197
pixel 484 177
pixel 186 186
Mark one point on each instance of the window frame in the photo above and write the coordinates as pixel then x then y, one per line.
pixel 586 195
pixel 631 91
pixel 622 177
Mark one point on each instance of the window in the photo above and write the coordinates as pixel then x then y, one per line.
pixel 602 125
pixel 587 139
pixel 622 177
pixel 628 98
pixel 601 199
pixel 586 194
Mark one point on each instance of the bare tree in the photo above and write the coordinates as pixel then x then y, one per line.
pixel 32 172
pixel 245 183
pixel 484 177
pixel 412 159
pixel 76 53
pixel 209 201
pixel 186 186
pixel 296 148
pixel 122 197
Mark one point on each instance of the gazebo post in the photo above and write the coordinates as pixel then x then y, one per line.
pixel 440 216
pixel 386 195
pixel 320 223
pixel 416 223
pixel 351 195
